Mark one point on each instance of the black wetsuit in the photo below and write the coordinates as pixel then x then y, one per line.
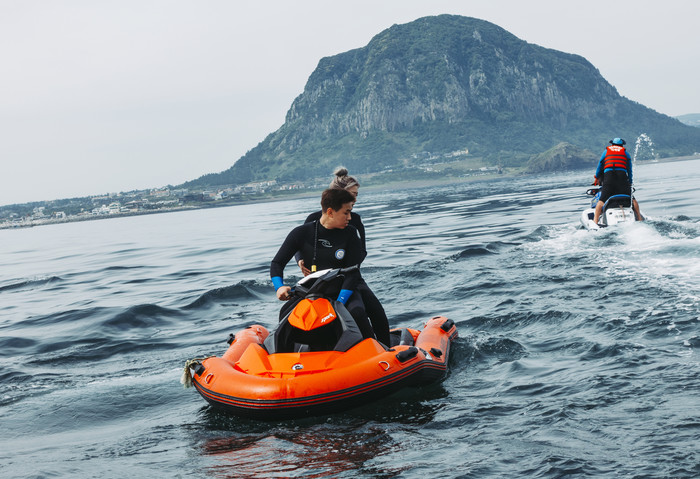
pixel 355 221
pixel 333 248
pixel 374 308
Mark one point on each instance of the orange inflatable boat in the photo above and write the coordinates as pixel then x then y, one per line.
pixel 316 361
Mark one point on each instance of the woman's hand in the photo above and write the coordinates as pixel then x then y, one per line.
pixel 303 268
pixel 283 293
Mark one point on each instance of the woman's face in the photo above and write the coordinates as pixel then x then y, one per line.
pixel 353 190
pixel 339 219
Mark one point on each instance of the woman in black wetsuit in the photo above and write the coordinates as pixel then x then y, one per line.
pixel 375 310
pixel 329 242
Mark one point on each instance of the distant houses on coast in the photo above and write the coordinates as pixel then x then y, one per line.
pixel 160 200
pixel 137 202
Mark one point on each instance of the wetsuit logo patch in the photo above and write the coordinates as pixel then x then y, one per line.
pixel 340 254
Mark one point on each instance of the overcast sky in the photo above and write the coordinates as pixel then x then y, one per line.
pixel 103 96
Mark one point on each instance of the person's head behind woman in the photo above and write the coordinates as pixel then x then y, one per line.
pixel 343 181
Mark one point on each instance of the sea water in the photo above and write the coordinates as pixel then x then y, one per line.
pixel 577 352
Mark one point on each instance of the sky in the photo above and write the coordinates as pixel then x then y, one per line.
pixel 108 96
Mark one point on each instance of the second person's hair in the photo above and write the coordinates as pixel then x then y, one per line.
pixel 341 180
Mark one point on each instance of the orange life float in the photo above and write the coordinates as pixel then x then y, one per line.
pixel 317 362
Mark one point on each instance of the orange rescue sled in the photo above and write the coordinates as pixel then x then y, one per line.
pixel 316 362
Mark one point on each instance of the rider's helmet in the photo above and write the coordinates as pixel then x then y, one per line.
pixel 617 141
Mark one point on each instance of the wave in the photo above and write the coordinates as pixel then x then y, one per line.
pixel 521 319
pixel 211 252
pixel 188 274
pixel 94 350
pixel 87 333
pixel 120 268
pixel 60 319
pixel 475 251
pixel 679 227
pixel 683 218
pixel 29 284
pixel 500 348
pixel 245 290
pixel 140 316
pixel 18 385
pixel 96 319
pixel 600 351
pixel 419 273
pixel 541 233
pixel 14 345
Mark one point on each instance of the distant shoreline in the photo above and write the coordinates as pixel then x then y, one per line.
pixel 270 198
pixel 421 183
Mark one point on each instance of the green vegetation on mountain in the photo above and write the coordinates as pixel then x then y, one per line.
pixel 448 87
pixel 562 157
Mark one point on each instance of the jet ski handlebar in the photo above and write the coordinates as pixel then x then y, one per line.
pixel 320 282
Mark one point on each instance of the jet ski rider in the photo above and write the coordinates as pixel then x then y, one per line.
pixel 375 310
pixel 614 172
pixel 327 243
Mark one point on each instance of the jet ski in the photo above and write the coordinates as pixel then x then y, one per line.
pixel 617 209
pixel 316 361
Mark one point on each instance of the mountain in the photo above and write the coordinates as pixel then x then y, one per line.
pixel 443 87
pixel 562 157
pixel 692 119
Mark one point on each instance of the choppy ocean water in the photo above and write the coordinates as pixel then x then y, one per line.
pixel 578 353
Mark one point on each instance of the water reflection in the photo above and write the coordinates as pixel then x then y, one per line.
pixel 325 450
pixel 343 445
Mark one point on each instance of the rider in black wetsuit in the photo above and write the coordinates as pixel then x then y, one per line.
pixel 327 243
pixel 373 307
pixel 375 310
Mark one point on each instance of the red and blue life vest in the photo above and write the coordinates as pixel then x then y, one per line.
pixel 615 157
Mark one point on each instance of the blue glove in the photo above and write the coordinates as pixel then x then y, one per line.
pixel 344 295
pixel 277 282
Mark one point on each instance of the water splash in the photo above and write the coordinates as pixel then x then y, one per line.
pixel 643 149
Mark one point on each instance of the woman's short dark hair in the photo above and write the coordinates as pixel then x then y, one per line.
pixel 335 198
